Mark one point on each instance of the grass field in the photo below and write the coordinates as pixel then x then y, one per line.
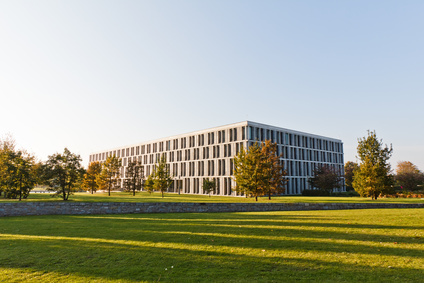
pixel 385 245
pixel 172 197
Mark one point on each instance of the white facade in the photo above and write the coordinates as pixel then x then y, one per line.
pixel 209 154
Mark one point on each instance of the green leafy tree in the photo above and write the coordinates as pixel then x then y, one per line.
pixel 350 168
pixel 248 171
pixel 258 171
pixel 325 178
pixel 7 149
pixel 91 176
pixel 108 178
pixel 18 170
pixel 149 184
pixel 161 176
pixel 408 176
pixel 134 177
pixel 63 173
pixel 209 186
pixel 374 174
pixel 19 175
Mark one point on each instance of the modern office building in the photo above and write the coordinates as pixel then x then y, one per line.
pixel 210 153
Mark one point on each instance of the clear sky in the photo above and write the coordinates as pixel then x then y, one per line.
pixel 93 75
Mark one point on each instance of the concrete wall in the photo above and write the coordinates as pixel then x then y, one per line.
pixel 63 208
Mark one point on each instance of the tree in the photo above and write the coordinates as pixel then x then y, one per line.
pixel 408 176
pixel 274 169
pixel 258 171
pixel 7 148
pixel 209 186
pixel 91 176
pixel 18 170
pixel 161 176
pixel 325 178
pixel 109 176
pixel 18 173
pixel 63 172
pixel 374 174
pixel 350 168
pixel 134 177
pixel 248 171
pixel 149 184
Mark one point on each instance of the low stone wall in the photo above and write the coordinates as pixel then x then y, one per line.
pixel 63 208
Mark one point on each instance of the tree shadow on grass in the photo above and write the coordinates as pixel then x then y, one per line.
pixel 117 261
pixel 239 247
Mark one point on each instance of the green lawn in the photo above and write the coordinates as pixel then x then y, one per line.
pixel 385 245
pixel 172 197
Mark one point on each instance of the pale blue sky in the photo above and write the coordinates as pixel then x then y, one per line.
pixel 92 75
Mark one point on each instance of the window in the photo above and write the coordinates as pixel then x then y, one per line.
pixel 231 166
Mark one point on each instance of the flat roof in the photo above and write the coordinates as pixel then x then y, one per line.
pixel 243 123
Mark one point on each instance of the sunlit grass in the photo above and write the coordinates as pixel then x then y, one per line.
pixel 384 245
pixel 173 197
